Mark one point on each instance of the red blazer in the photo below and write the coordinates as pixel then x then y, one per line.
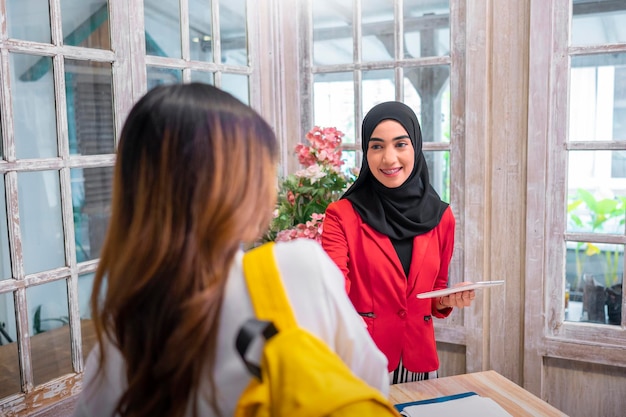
pixel 399 322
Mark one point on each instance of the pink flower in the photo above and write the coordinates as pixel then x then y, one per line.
pixel 319 183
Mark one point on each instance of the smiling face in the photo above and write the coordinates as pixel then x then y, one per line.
pixel 390 154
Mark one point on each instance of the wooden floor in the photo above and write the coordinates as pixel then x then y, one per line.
pixel 50 355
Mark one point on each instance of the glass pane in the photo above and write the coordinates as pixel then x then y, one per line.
pixel 200 30
pixel 378 86
pixel 598 97
pixel 5 259
pixel 48 318
pixel 350 162
pixel 333 103
pixel 202 77
pixel 85 285
pixel 596 200
pixel 89 89
pixel 91 201
pixel 160 76
pixel 426 28
pixel 33 99
pixel 439 170
pixel 29 20
pixel 40 220
pixel 427 92
pixel 593 286
pixel 1 142
pixel 332 32
pixel 86 23
pixel 237 85
pixel 233 32
pixel 9 360
pixel 162 26
pixel 377 30
pixel 598 22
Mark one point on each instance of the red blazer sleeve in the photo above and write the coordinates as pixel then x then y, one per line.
pixel 446 230
pixel 334 241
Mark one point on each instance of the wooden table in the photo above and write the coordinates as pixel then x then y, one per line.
pixel 513 398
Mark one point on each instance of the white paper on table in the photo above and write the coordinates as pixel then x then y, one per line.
pixel 472 406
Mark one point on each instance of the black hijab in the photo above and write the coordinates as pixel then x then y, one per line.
pixel 411 209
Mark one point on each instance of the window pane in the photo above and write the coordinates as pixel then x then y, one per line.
pixel 29 20
pixel 5 260
pixel 594 278
pixel 161 76
pixel 49 325
pixel 9 360
pixel 200 30
pixel 237 85
pixel 91 201
pixel 377 30
pixel 1 142
pixel 598 22
pixel 162 26
pixel 332 32
pixel 596 200
pixel 378 86
pixel 439 169
pixel 233 32
pixel 86 23
pixel 427 92
pixel 40 220
pixel 85 285
pixel 32 98
pixel 91 128
pixel 598 97
pixel 202 77
pixel 333 103
pixel 426 28
pixel 350 162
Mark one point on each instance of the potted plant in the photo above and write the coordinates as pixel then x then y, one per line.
pixel 304 195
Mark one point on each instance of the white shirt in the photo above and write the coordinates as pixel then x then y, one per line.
pixel 315 288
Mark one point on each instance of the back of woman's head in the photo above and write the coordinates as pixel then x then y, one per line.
pixel 194 178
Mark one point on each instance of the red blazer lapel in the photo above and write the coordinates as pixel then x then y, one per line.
pixel 385 245
pixel 420 246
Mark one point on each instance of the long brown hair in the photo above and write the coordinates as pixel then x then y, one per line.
pixel 194 178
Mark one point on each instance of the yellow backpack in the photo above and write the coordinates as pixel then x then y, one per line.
pixel 299 374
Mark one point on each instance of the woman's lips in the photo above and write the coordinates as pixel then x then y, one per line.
pixel 392 171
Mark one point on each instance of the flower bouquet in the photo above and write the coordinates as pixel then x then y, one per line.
pixel 304 195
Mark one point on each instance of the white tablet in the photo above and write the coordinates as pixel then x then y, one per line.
pixel 460 288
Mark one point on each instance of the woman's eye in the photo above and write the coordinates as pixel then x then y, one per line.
pixel 375 147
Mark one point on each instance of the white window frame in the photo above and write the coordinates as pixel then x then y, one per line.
pixel 129 60
pixel 547 334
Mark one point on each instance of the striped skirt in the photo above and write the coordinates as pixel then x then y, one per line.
pixel 401 374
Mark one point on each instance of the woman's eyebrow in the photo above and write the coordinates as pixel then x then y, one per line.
pixel 396 138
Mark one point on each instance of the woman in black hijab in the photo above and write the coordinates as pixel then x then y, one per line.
pixel 393 237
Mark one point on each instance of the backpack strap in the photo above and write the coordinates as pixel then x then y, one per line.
pixel 267 292
pixel 269 300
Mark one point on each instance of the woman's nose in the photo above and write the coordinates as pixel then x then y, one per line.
pixel 389 155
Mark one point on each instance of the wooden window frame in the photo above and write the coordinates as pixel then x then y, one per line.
pixel 455 329
pixel 129 62
pixel 547 334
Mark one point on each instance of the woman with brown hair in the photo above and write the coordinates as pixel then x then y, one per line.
pixel 194 179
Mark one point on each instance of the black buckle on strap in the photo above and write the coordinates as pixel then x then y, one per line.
pixel 250 330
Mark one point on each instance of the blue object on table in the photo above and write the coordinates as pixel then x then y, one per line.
pixel 400 407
